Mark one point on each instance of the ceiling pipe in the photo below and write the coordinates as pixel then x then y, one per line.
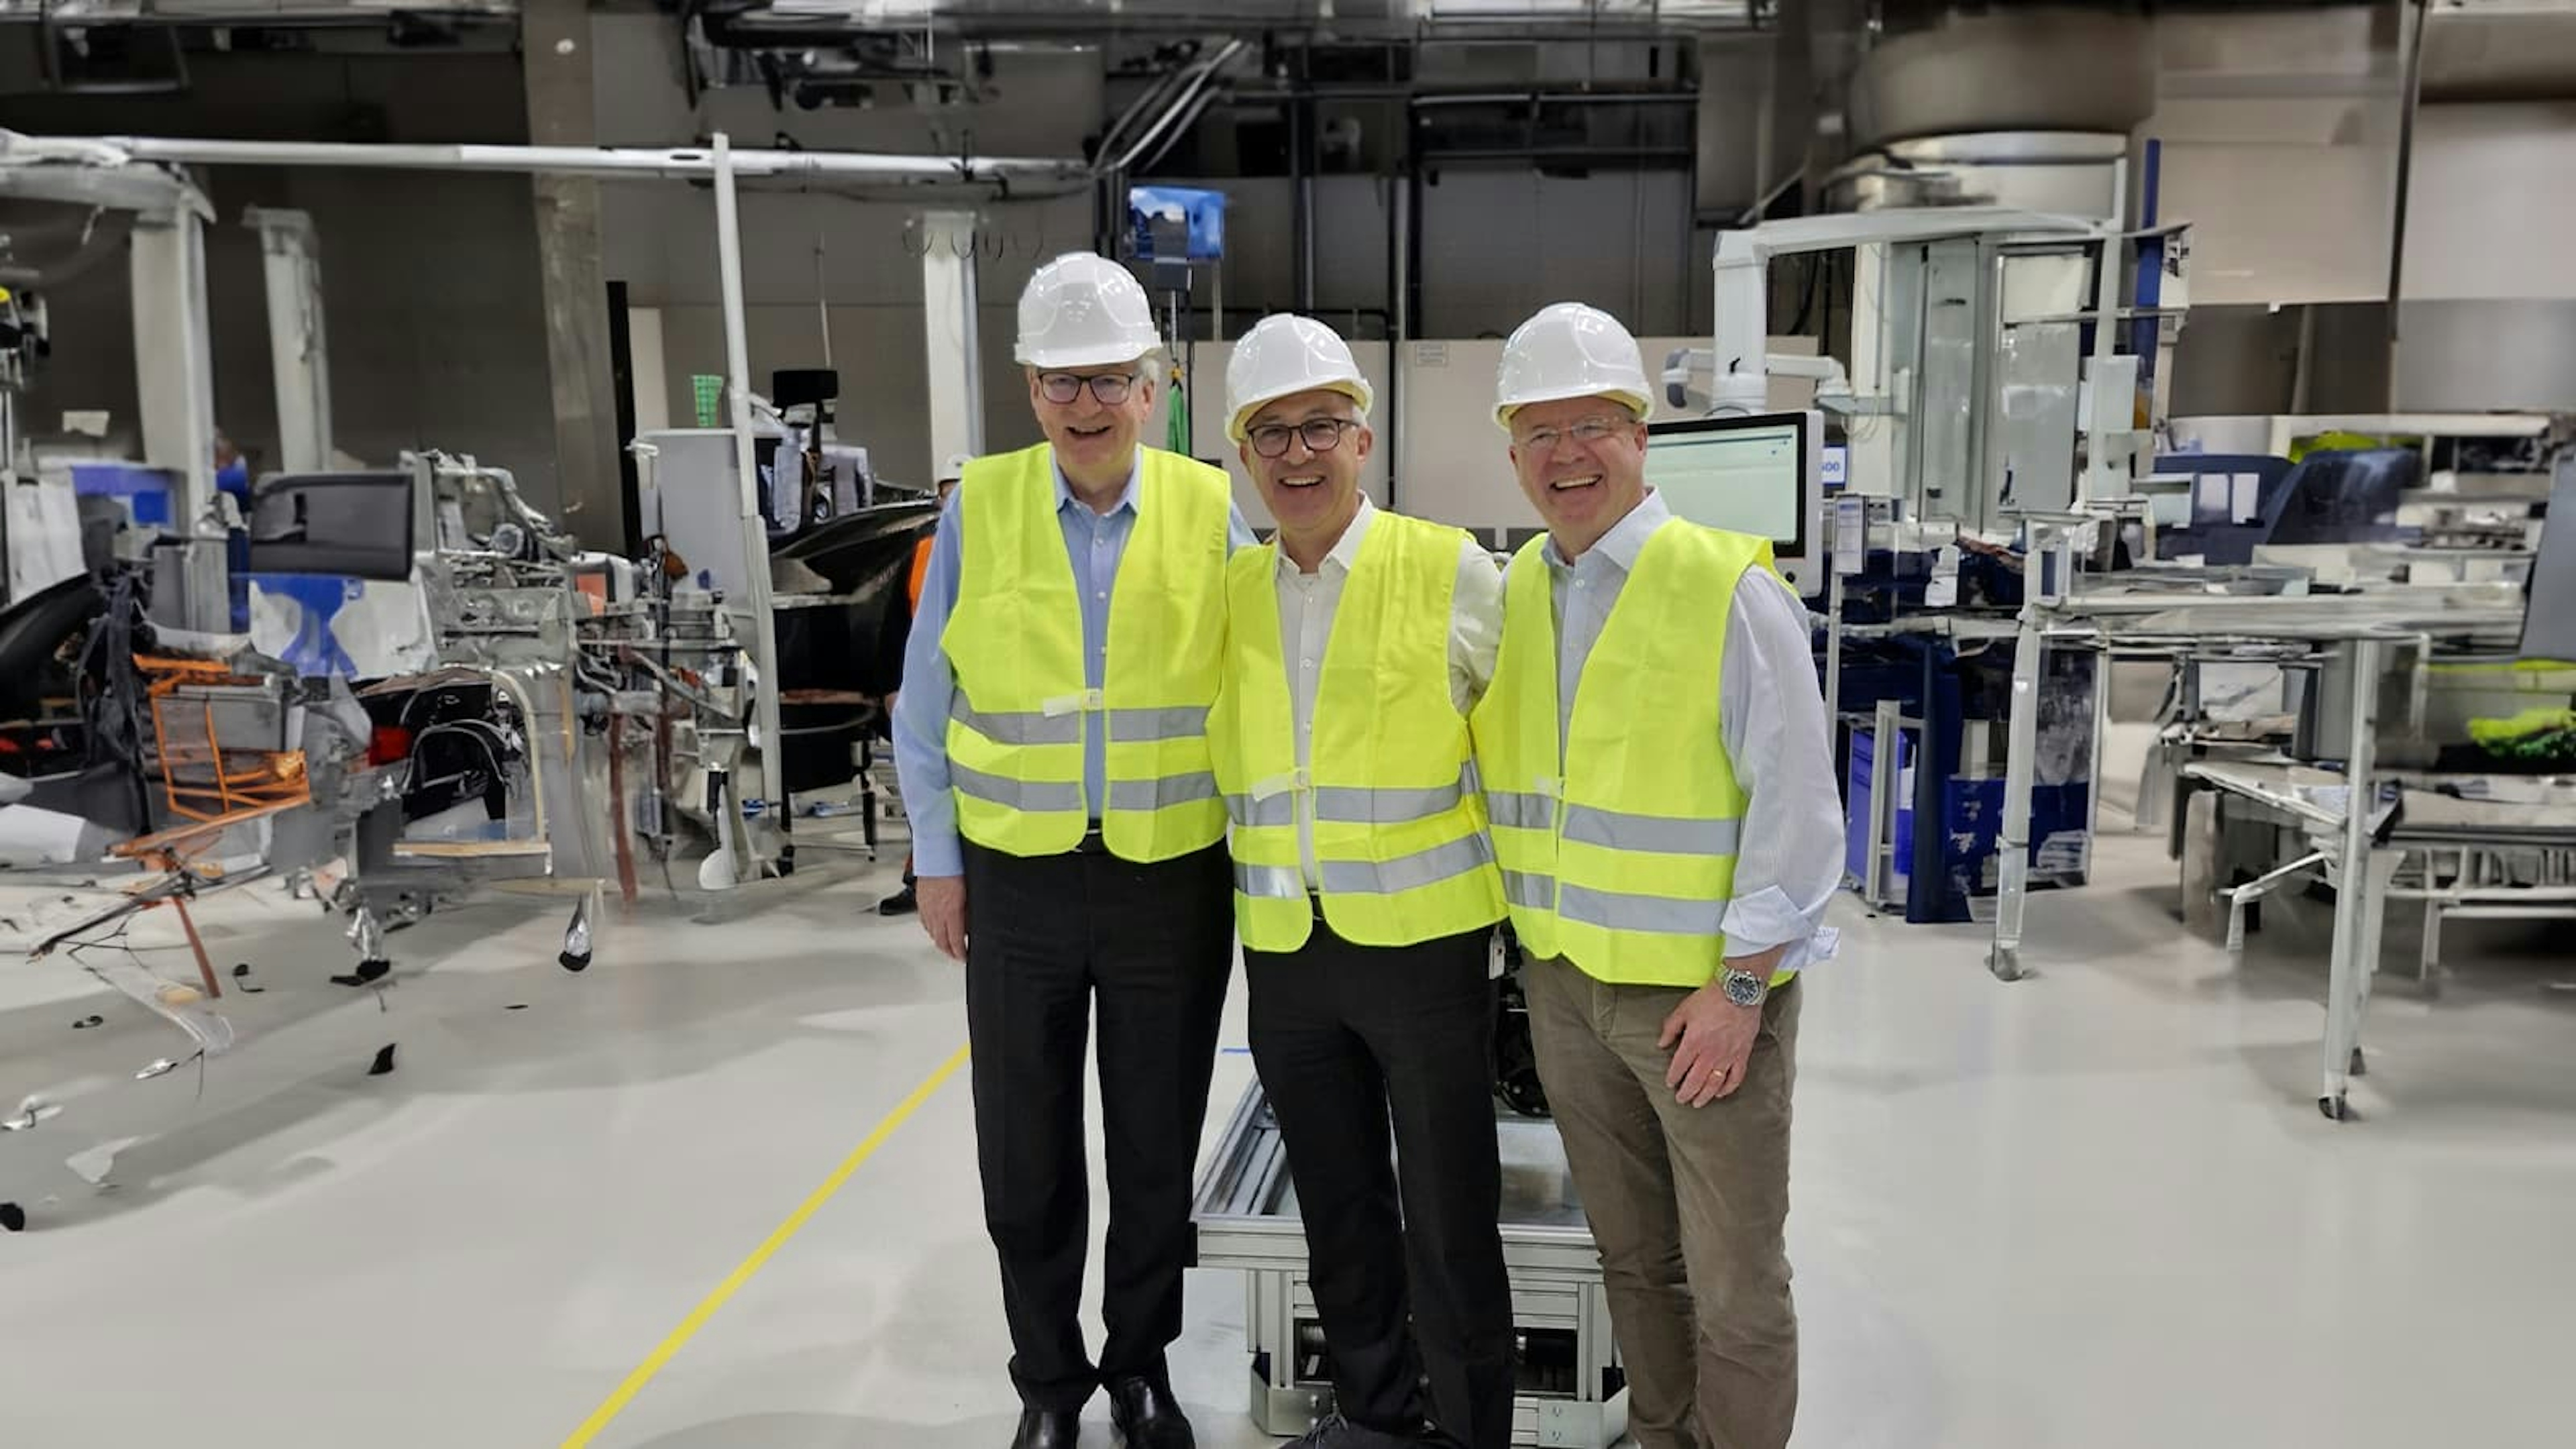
pixel 605 161
pixel 1189 94
pixel 1438 101
pixel 1154 97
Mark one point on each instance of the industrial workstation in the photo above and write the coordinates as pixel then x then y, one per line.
pixel 1356 723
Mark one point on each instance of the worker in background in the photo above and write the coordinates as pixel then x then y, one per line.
pixel 1365 895
pixel 1655 761
pixel 903 902
pixel 1054 716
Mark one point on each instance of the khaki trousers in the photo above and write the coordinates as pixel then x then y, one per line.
pixel 1688 1207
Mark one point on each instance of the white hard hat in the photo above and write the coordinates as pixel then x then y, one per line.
pixel 956 466
pixel 1081 310
pixel 1284 355
pixel 1570 350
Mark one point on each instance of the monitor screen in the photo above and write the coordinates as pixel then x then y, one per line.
pixel 1745 474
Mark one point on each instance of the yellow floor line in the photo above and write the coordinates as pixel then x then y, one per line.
pixel 778 1238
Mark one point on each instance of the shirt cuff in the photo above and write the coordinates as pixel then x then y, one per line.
pixel 935 851
pixel 1755 923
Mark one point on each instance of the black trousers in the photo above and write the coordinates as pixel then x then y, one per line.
pixel 1346 1037
pixel 1150 947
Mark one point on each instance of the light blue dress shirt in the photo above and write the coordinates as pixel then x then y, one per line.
pixel 1094 542
pixel 1771 719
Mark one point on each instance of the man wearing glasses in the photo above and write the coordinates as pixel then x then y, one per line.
pixel 1654 755
pixel 1366 896
pixel 1054 715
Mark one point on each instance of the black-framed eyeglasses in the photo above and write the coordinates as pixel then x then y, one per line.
pixel 1111 388
pixel 1321 435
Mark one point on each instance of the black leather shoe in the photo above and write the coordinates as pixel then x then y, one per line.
pixel 1336 1432
pixel 902 903
pixel 1047 1429
pixel 1147 1417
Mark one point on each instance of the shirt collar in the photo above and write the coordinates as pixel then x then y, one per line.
pixel 1626 538
pixel 1345 552
pixel 1064 498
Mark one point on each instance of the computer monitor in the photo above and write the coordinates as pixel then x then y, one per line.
pixel 2549 600
pixel 1756 474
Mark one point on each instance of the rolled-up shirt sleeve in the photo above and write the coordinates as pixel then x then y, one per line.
pixel 921 713
pixel 1772 718
pixel 1475 626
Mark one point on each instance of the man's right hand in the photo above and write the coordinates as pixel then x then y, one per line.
pixel 943 912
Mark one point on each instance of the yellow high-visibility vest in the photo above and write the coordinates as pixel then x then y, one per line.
pixel 1400 848
pixel 1618 843
pixel 1022 710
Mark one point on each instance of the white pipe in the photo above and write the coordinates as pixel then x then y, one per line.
pixel 1743 258
pixel 606 161
pixel 755 526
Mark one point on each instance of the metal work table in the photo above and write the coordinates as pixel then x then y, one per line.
pixel 1569 1390
pixel 2370 631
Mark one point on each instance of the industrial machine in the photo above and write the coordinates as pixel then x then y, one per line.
pixel 391 687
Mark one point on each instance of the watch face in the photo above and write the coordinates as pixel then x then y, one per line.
pixel 1744 988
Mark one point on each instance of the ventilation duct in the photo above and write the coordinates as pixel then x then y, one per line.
pixel 2500 50
pixel 2036 69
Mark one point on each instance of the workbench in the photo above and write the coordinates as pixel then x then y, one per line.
pixel 2367 635
pixel 1569 1390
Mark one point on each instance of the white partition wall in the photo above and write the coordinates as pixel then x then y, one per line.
pixel 1453 464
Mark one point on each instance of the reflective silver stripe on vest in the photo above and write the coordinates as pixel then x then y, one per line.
pixel 1661 915
pixel 1180 722
pixel 1249 811
pixel 1160 794
pixel 1662 834
pixel 1269 882
pixel 1406 872
pixel 1535 892
pixel 1019 727
pixel 1514 810
pixel 1353 805
pixel 1015 794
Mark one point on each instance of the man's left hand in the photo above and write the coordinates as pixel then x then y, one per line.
pixel 1714 1037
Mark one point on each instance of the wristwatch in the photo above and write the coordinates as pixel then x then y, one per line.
pixel 1747 988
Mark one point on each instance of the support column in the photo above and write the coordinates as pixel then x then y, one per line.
pixel 555 44
pixel 175 395
pixel 297 352
pixel 956 368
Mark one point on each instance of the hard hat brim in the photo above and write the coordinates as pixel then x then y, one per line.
pixel 1237 425
pixel 1096 356
pixel 1639 405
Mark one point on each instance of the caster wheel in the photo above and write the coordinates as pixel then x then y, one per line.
pixel 2360 1067
pixel 573 963
pixel 1524 1096
pixel 2336 1109
pixel 13 1217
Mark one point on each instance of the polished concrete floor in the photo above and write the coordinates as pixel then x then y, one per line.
pixel 2097 1208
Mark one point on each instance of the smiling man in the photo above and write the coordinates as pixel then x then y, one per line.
pixel 1366 898
pixel 1654 755
pixel 1054 714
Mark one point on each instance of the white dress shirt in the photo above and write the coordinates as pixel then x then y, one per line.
pixel 1307 603
pixel 1771 718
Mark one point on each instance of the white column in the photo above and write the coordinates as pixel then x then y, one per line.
pixel 174 391
pixel 297 355
pixel 949 334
